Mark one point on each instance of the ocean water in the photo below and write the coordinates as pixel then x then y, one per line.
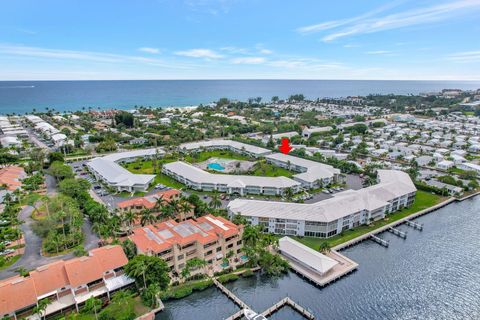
pixel 25 96
pixel 431 275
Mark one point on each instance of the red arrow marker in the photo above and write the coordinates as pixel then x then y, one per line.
pixel 285 147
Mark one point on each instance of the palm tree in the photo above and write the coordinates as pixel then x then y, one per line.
pixel 137 268
pixel 161 201
pixel 324 247
pixel 289 193
pixel 129 218
pixel 93 304
pixel 185 208
pixel 215 202
pixel 251 235
pixel 167 212
pixel 148 217
pixel 41 307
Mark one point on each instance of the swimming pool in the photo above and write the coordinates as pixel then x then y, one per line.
pixel 215 166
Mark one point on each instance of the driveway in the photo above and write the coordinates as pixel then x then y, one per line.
pixel 32 257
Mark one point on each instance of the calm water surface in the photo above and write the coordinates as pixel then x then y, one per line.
pixel 24 96
pixel 434 274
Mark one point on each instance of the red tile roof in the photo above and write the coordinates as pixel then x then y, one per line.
pixel 149 202
pixel 50 277
pixel 161 236
pixel 11 176
pixel 16 293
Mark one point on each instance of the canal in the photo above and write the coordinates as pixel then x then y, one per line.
pixel 433 274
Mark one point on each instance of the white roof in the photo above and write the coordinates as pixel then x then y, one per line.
pixel 393 184
pixel 115 174
pixel 223 144
pixel 314 170
pixel 198 175
pixel 119 156
pixel 306 255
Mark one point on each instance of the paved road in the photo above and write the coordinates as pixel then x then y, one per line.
pixel 32 258
pixel 35 140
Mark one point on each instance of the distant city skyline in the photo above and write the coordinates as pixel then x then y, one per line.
pixel 239 39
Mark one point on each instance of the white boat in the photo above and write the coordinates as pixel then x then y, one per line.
pixel 252 315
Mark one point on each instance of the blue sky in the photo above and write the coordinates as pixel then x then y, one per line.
pixel 239 39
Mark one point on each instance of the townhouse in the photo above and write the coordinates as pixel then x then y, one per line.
pixel 66 284
pixel 326 218
pixel 153 201
pixel 209 238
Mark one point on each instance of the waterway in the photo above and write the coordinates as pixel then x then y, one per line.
pixel 433 274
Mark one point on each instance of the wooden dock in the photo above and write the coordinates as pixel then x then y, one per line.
pixel 289 302
pixel 230 295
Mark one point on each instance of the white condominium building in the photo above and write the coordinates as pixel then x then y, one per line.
pixel 235 146
pixel 329 217
pixel 108 170
pixel 312 174
pixel 199 179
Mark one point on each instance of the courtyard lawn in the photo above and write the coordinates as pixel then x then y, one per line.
pixel 268 170
pixel 423 200
pixel 146 167
pixel 166 181
pixel 205 155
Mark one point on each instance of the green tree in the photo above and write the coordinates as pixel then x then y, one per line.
pixel 148 270
pixel 60 171
pixel 73 187
pixel 94 305
pixel 55 156
pixel 41 307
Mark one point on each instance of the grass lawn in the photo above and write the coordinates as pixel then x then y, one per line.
pixel 10 261
pixel 205 155
pixel 423 200
pixel 264 169
pixel 167 181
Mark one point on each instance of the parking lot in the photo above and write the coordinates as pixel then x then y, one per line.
pixel 109 199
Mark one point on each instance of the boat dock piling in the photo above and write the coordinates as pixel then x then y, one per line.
pixel 401 234
pixel 289 302
pixel 415 225
pixel 380 241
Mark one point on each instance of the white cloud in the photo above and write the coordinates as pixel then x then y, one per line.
pixel 265 51
pixel 199 53
pixel 249 60
pixel 378 52
pixel 338 23
pixel 234 50
pixel 366 23
pixel 465 57
pixel 60 54
pixel 149 50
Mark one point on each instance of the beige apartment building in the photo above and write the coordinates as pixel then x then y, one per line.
pixel 209 238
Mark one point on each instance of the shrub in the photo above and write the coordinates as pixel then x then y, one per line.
pixel 227 278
